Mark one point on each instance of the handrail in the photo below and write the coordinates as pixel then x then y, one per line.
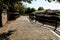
pixel 47 15
pixel 51 19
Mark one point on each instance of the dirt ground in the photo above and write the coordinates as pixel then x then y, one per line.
pixel 21 29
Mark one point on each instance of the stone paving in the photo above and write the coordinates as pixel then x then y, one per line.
pixel 26 31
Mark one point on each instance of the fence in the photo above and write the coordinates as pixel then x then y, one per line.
pixel 47 18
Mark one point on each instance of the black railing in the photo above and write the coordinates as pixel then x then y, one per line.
pixel 47 18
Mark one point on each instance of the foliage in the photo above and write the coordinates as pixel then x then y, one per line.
pixel 5 4
pixel 29 10
pixel 12 4
pixel 46 11
pixel 9 4
pixel 53 0
pixel 40 8
pixel 32 9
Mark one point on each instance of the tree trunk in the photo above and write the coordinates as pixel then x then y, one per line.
pixel 0 18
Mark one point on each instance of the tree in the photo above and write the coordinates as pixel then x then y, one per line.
pixel 40 8
pixel 32 9
pixel 46 11
pixel 53 0
pixel 29 10
pixel 22 10
pixel 10 6
pixel 6 4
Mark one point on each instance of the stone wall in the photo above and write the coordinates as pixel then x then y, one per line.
pixel 4 17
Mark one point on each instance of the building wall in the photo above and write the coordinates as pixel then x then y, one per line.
pixel 4 17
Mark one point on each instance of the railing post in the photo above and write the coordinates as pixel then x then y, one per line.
pixel 55 25
pixel 43 20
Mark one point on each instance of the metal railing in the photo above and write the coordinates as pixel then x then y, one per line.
pixel 38 17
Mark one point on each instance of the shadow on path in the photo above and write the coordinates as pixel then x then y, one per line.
pixel 4 36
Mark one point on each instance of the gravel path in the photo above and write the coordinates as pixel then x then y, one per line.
pixel 27 31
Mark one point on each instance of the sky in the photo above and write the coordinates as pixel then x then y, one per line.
pixel 45 4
